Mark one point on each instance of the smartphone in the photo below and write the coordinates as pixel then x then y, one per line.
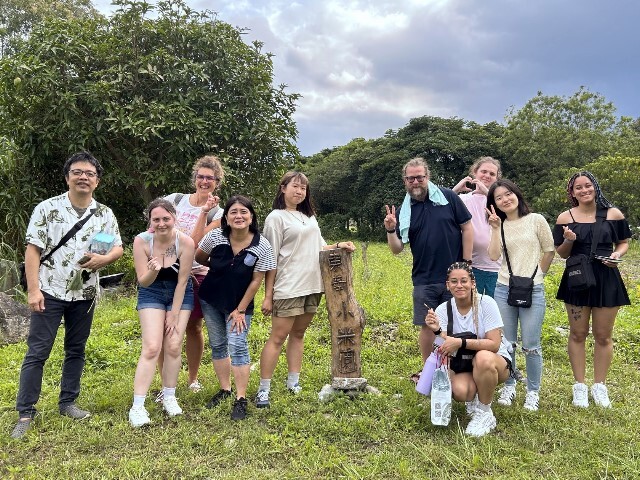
pixel 84 259
pixel 471 186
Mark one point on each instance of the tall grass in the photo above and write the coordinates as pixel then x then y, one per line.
pixel 372 436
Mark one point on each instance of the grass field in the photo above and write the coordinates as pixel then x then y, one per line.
pixel 385 436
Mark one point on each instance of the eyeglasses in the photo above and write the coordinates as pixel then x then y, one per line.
pixel 463 281
pixel 419 178
pixel 208 178
pixel 78 173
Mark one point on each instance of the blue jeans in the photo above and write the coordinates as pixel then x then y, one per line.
pixel 78 316
pixel 223 341
pixel 530 328
pixel 485 281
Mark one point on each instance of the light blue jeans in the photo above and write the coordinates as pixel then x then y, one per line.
pixel 530 329
pixel 223 341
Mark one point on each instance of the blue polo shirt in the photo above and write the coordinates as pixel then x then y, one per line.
pixel 435 237
pixel 229 275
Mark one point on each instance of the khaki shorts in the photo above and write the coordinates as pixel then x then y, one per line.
pixel 292 307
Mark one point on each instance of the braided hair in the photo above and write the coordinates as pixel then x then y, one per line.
pixel 601 200
pixel 474 293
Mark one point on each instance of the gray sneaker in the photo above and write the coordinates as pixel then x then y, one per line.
pixel 72 410
pixel 21 428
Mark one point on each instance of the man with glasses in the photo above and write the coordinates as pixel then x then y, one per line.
pixel 53 291
pixel 437 226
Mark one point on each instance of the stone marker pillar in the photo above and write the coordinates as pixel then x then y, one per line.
pixel 346 318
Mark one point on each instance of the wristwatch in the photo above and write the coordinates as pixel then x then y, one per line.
pixel 241 311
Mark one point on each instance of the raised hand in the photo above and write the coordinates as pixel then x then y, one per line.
pixel 568 234
pixel 390 221
pixel 493 218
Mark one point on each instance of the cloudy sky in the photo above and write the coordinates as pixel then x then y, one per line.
pixel 366 66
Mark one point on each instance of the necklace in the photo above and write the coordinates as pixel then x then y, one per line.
pixel 300 218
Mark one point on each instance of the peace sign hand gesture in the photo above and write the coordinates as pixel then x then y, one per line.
pixel 493 218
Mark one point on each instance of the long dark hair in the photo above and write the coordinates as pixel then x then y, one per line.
pixel 245 202
pixel 523 208
pixel 305 206
pixel 601 200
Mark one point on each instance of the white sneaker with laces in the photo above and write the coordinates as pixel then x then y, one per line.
pixel 296 389
pixel 507 395
pixel 138 416
pixel 580 395
pixel 171 406
pixel 481 423
pixel 600 395
pixel 531 400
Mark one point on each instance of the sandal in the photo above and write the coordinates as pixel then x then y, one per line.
pixel 415 377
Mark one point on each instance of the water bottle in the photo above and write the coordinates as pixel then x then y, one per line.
pixel 424 384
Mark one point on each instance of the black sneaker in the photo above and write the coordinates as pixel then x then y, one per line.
pixel 239 411
pixel 218 397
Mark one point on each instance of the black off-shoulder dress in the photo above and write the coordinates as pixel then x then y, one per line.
pixel 609 290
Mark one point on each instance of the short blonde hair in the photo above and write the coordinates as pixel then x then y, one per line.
pixel 211 162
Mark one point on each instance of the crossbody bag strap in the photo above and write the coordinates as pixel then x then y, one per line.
pixel 70 233
pixel 601 215
pixel 449 318
pixel 506 255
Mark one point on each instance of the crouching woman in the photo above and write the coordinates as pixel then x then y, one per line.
pixel 470 327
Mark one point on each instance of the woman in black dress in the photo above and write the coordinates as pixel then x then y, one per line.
pixel 572 235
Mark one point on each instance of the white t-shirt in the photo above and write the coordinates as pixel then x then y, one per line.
pixel 186 221
pixel 296 242
pixel 489 318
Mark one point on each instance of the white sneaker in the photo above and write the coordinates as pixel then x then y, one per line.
pixel 580 395
pixel 531 400
pixel 600 395
pixel 171 406
pixel 481 423
pixel 507 395
pixel 472 407
pixel 138 416
pixel 295 389
pixel 195 387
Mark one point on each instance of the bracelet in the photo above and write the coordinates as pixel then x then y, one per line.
pixel 337 244
pixel 241 311
pixel 467 261
pixel 438 332
pixel 391 231
pixel 464 343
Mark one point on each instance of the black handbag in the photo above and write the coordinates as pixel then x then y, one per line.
pixel 520 288
pixel 580 274
pixel 462 361
pixel 21 267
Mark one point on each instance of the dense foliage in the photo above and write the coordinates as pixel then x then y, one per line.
pixel 146 92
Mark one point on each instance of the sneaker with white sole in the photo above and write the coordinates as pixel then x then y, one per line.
pixel 262 399
pixel 531 400
pixel 507 395
pixel 296 389
pixel 195 386
pixel 481 423
pixel 580 395
pixel 159 396
pixel 170 405
pixel 138 416
pixel 600 395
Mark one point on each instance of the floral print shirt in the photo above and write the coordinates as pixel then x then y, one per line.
pixel 50 221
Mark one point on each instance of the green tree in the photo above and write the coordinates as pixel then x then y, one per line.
pixel 18 17
pixel 147 93
pixel 552 133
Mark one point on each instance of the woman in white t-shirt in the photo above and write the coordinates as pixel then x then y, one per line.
pixel 473 191
pixel 491 365
pixel 294 289
pixel 529 250
pixel 198 213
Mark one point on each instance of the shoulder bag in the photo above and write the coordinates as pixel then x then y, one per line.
pixel 580 274
pixel 520 288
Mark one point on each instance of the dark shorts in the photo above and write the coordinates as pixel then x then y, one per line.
pixel 159 295
pixel 433 295
pixel 196 313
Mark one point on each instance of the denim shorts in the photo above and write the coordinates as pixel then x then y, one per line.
pixel 225 343
pixel 159 295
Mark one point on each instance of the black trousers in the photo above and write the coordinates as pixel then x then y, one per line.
pixel 78 316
